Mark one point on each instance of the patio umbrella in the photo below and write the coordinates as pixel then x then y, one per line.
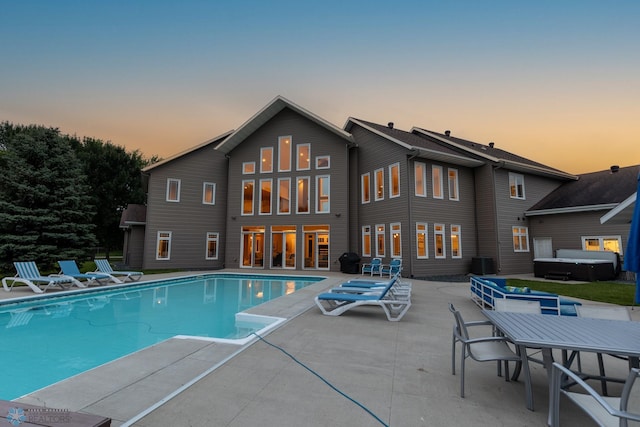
pixel 632 255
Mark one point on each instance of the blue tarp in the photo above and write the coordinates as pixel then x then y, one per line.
pixel 632 254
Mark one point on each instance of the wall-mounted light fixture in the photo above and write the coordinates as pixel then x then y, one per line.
pixel 338 215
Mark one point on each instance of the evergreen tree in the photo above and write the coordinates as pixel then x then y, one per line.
pixel 45 207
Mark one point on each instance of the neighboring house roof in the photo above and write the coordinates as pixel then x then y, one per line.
pixel 423 147
pixel 593 191
pixel 212 141
pixel 493 154
pixel 133 215
pixel 266 114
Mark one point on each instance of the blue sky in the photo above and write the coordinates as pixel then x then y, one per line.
pixel 558 82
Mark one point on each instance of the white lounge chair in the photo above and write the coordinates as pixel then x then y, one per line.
pixel 70 268
pixel 394 304
pixel 374 267
pixel 103 266
pixel 28 274
pixel 394 267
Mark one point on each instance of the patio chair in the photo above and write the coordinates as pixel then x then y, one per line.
pixel 605 411
pixel 70 268
pixel 28 274
pixel 482 349
pixel 394 267
pixel 374 267
pixel 604 312
pixel 103 266
pixel 395 305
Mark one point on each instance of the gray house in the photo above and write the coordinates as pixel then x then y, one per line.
pixel 289 190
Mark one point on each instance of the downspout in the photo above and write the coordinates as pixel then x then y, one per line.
pixel 412 156
pixel 495 216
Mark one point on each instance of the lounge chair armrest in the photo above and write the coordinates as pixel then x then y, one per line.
pixel 558 370
pixel 478 323
pixel 488 339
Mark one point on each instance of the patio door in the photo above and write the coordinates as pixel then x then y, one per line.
pixel 316 247
pixel 283 244
pixel 542 248
pixel 252 248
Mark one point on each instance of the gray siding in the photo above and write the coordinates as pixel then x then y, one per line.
pixel 133 250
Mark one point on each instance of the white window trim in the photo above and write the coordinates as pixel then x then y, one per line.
pixel 264 150
pixel 278 210
pixel 298 148
pixel 280 138
pixel 366 249
pixel 454 193
pixel 380 233
pixel 416 165
pixel 253 197
pixel 178 185
pixel 515 232
pixel 395 166
pixel 395 227
pixel 437 187
pixel 378 173
pixel 270 181
pixel 168 239
pixel 459 235
pixel 601 239
pixel 308 195
pixel 426 240
pixel 210 238
pixel 362 188
pixel 435 242
pixel 213 193
pixel 245 165
pixel 517 177
pixel 318 158
pixel 318 194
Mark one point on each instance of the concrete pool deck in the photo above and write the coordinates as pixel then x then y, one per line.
pixel 400 371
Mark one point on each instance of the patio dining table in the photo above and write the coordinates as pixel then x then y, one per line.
pixel 579 334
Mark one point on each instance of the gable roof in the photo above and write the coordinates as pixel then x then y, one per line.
pixel 212 141
pixel 423 147
pixel 278 104
pixel 493 154
pixel 600 190
pixel 133 215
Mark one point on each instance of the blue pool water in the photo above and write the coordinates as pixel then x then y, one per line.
pixel 45 340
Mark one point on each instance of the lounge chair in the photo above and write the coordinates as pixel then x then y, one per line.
pixel 70 268
pixel 28 274
pixel 394 267
pixel 374 267
pixel 395 305
pixel 103 266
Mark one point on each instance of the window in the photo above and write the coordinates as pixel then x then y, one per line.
pixel 394 180
pixel 265 196
pixel 212 246
pixel 284 196
pixel 366 240
pixel 456 242
pixel 365 183
pixel 173 190
pixel 453 184
pixel 516 186
pixel 163 248
pixel 436 176
pixel 304 157
pixel 602 243
pixel 396 240
pixel 266 159
pixel 323 162
pixel 248 168
pixel 421 240
pixel 380 243
pixel 378 183
pixel 420 172
pixel 209 193
pixel 323 204
pixel 284 153
pixel 438 240
pixel 303 195
pixel 520 239
pixel 247 197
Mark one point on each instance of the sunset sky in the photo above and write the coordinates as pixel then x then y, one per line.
pixel 555 81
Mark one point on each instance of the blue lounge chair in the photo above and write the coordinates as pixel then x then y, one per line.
pixel 395 305
pixel 70 268
pixel 394 267
pixel 374 267
pixel 28 273
pixel 103 266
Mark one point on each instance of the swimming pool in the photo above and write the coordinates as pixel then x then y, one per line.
pixel 48 339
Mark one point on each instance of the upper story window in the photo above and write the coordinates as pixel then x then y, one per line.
pixel 602 243
pixel 365 184
pixel 208 193
pixel 394 180
pixel 173 190
pixel 420 172
pixel 378 184
pixel 266 159
pixel 366 240
pixel 520 239
pixel 247 197
pixel 265 196
pixel 453 184
pixel 323 162
pixel 284 196
pixel 516 185
pixel 436 176
pixel 456 241
pixel 303 195
pixel 422 235
pixel 212 246
pixel 284 153
pixel 323 203
pixel 303 157
pixel 438 240
pixel 248 168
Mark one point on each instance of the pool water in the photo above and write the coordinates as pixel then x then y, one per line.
pixel 45 340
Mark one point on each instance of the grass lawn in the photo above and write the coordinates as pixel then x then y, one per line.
pixel 609 292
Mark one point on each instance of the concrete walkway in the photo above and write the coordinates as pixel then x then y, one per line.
pixel 399 371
